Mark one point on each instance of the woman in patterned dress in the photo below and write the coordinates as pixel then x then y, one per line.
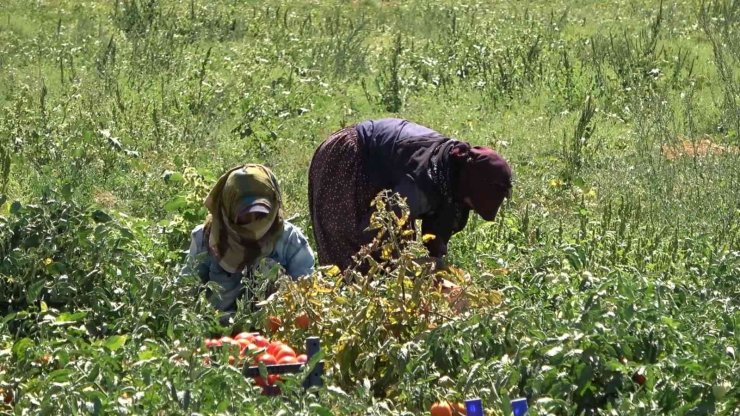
pixel 441 178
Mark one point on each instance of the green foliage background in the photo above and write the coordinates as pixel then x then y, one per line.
pixel 613 258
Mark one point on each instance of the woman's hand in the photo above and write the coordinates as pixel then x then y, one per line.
pixel 438 263
pixel 454 293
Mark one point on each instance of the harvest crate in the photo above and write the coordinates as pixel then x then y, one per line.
pixel 313 347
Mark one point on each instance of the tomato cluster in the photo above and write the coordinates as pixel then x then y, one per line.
pixel 258 349
pixel 448 409
pixel 301 321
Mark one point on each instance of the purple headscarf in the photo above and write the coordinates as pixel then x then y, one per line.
pixel 484 180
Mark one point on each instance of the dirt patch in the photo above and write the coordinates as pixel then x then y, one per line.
pixel 695 148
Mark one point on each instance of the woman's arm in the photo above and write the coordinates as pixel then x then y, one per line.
pixel 293 252
pixel 446 221
pixel 197 260
pixel 438 245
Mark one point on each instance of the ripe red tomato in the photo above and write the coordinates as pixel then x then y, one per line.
pixel 273 323
pixel 303 358
pixel 243 343
pixel 267 359
pixel 441 409
pixel 244 335
pixel 639 378
pixel 274 347
pixel 302 321
pixel 261 341
pixel 284 351
pixel 249 349
pixel 272 378
pixel 287 359
pixel 212 343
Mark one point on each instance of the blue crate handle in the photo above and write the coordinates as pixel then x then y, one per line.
pixel 519 406
pixel 474 407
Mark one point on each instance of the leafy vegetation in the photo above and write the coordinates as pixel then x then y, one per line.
pixel 608 285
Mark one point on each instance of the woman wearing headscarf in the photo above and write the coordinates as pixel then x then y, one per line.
pixel 442 179
pixel 245 224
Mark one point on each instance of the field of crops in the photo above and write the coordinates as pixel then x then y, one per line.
pixel 609 283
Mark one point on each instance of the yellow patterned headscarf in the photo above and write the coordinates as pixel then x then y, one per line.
pixel 234 245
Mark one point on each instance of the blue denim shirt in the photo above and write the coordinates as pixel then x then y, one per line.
pixel 291 251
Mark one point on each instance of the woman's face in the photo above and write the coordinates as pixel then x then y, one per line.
pixel 486 207
pixel 249 217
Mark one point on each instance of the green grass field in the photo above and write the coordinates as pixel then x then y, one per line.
pixel 617 257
